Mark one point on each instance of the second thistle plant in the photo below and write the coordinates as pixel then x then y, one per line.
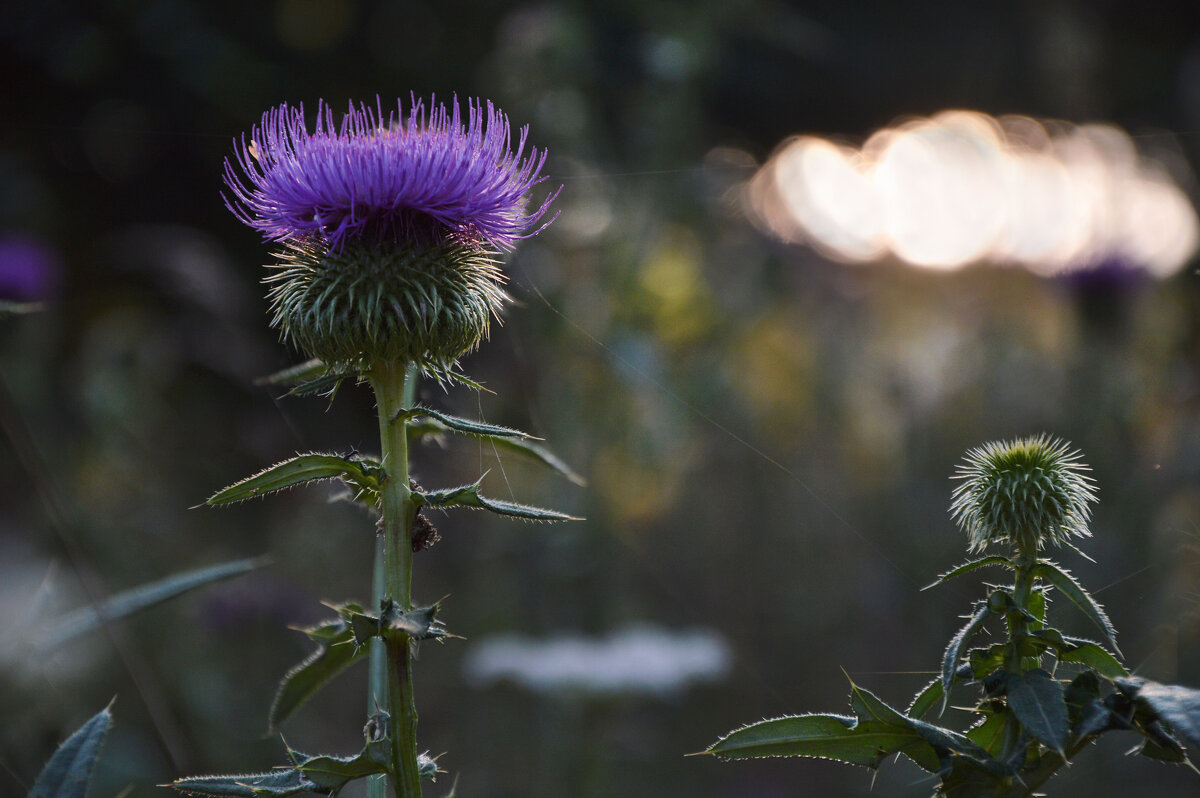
pixel 1043 695
pixel 389 231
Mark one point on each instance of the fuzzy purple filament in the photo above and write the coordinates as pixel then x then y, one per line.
pixel 427 177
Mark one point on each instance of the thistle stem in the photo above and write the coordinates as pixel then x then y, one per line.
pixel 390 382
pixel 1018 628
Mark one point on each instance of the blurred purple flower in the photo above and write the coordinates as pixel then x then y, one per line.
pixel 29 269
pixel 429 177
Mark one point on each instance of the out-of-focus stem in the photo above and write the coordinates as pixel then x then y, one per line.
pixel 389 383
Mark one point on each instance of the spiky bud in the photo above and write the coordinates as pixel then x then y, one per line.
pixel 1027 492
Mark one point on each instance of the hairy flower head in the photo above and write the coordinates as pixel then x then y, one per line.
pixel 1029 492
pixel 390 226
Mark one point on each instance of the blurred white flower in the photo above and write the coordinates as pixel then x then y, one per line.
pixel 639 659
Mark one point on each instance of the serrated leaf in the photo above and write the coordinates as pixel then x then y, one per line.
pixel 69 771
pixel 1038 702
pixel 297 470
pixel 469 496
pixel 320 773
pixel 1066 584
pixel 1178 706
pixel 968 779
pixel 465 426
pixel 519 446
pixel 820 736
pixel 924 700
pixel 989 733
pixel 335 653
pixel 870 708
pixel 419 623
pixel 954 649
pixel 967 567
pixel 272 784
pixel 1095 657
pixel 128 602
pixel 1094 718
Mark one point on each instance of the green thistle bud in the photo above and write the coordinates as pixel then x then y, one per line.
pixel 422 304
pixel 1029 492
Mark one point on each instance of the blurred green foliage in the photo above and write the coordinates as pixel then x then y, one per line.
pixel 767 436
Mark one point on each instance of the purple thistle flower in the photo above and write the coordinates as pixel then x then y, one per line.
pixel 429 178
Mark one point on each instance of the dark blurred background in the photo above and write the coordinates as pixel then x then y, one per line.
pixel 767 435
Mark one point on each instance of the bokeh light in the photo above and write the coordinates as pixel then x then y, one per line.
pixel 963 187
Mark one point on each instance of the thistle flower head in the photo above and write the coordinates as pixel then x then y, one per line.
pixel 389 226
pixel 1029 492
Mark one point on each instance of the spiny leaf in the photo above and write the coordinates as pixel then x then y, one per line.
pixel 321 773
pixel 1095 657
pixel 69 771
pixel 295 471
pixel 820 736
pixel 989 733
pixel 136 599
pixel 1037 701
pixel 419 623
pixel 476 429
pixel 469 496
pixel 924 701
pixel 870 708
pixel 1177 705
pixel 1066 584
pixel 272 784
pixel 967 567
pixel 521 446
pixel 954 649
pixel 335 653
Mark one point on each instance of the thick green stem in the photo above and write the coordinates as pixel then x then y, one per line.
pixel 389 382
pixel 1018 629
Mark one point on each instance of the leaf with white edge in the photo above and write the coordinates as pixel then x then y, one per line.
pixel 1066 584
pixel 334 654
pixel 1094 718
pixel 469 496
pixel 320 773
pixel 989 733
pixel 1178 706
pixel 69 771
pixel 476 429
pixel 297 470
pixel 925 700
pixel 870 708
pixel 819 736
pixel 967 567
pixel 954 649
pixel 1095 657
pixel 1038 702
pixel 272 784
pixel 128 602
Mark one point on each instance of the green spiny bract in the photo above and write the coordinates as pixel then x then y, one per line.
pixel 1029 492
pixel 364 303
